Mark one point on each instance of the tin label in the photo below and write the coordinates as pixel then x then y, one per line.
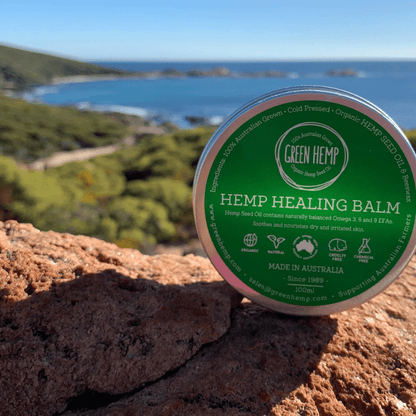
pixel 310 203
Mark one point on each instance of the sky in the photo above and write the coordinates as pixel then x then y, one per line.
pixel 221 30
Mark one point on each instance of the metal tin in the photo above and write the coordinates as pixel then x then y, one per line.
pixel 304 200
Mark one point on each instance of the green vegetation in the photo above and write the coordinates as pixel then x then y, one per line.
pixel 134 197
pixel 29 132
pixel 20 69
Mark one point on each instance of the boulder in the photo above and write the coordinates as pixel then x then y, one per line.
pixel 82 318
pixel 88 329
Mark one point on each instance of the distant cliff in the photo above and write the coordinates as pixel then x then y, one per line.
pixel 20 69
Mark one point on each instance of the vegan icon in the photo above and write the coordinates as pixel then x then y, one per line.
pixel 336 244
pixel 276 241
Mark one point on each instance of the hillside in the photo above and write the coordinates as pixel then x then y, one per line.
pixel 135 197
pixel 29 132
pixel 20 68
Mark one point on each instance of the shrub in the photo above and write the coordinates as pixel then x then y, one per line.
pixel 133 197
pixel 32 131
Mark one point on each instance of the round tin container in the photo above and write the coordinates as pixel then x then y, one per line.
pixel 304 200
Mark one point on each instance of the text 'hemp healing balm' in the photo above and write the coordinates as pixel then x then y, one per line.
pixel 304 200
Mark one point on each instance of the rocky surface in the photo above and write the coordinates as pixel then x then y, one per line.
pixel 89 329
pixel 83 318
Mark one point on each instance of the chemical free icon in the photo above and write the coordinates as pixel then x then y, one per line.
pixel 364 248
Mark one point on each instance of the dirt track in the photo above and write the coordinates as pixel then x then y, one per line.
pixel 61 158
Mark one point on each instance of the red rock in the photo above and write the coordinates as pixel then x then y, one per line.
pixel 91 330
pixel 358 362
pixel 79 315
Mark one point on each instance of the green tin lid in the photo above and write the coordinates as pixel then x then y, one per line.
pixel 304 200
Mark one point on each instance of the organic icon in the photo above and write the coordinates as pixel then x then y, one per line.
pixel 250 240
pixel 364 248
pixel 276 241
pixel 336 244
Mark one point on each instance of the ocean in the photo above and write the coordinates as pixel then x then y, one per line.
pixel 391 85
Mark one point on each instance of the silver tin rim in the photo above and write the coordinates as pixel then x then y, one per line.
pixel 243 114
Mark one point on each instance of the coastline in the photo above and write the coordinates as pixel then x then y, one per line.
pixel 190 119
pixel 79 79
pixel 217 72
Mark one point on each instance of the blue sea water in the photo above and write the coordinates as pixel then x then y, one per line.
pixel 391 85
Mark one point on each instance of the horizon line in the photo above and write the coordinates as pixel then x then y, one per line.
pixel 206 59
pixel 241 60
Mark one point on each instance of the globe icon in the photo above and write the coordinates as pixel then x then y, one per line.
pixel 250 240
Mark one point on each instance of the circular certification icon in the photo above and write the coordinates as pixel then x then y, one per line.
pixel 305 247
